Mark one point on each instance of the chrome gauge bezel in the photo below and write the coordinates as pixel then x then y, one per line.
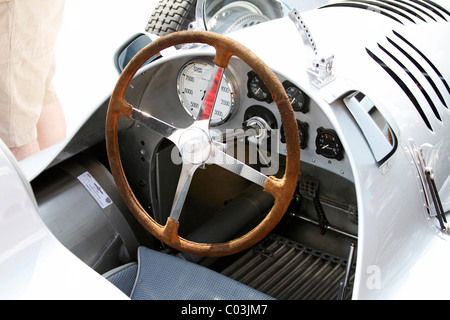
pixel 186 103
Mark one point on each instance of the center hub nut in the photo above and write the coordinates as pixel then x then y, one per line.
pixel 195 146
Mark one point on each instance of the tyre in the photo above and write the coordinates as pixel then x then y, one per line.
pixel 170 16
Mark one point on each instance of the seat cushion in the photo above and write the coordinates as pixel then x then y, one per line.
pixel 164 277
pixel 123 277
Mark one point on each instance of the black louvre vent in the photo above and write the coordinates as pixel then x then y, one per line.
pixel 421 69
pixel 418 8
pixel 431 64
pixel 398 10
pixel 433 7
pixel 403 86
pixel 361 6
pixel 401 53
pixel 414 79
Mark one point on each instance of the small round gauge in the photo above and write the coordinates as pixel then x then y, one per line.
pixel 257 89
pixel 299 100
pixel 192 83
pixel 302 134
pixel 328 144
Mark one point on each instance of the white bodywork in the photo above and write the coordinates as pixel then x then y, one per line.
pixel 401 251
pixel 398 250
pixel 33 263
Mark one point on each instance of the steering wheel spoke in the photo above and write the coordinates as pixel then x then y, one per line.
pixel 184 182
pixel 164 129
pixel 235 166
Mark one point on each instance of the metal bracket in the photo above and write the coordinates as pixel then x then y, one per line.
pixel 295 16
pixel 322 69
pixel 426 180
pixel 321 66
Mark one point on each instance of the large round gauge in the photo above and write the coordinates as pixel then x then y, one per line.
pixel 328 144
pixel 192 83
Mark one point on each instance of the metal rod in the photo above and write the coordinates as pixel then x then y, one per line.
pixel 436 199
pixel 344 284
pixel 327 227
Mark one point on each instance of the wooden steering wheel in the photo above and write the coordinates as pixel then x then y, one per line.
pixel 196 146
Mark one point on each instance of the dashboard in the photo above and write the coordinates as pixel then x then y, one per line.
pixel 174 93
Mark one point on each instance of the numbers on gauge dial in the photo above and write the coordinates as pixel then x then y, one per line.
pixel 193 81
pixel 328 144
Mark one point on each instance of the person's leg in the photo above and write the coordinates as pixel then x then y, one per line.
pixel 51 127
pixel 25 151
pixel 29 100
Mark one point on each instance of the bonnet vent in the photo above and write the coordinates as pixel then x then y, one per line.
pixel 398 10
pixel 432 66
pixel 434 7
pixel 397 50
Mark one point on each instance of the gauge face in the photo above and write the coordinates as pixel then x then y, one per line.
pixel 328 144
pixel 299 100
pixel 193 81
pixel 302 134
pixel 257 89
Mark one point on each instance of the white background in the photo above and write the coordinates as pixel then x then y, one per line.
pixel 92 31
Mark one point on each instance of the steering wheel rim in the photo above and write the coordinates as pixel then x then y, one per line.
pixel 281 189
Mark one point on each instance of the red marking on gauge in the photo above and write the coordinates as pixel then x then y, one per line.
pixel 210 97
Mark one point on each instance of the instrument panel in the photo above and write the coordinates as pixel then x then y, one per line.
pixel 194 77
pixel 327 142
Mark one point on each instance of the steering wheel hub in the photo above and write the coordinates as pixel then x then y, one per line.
pixel 195 146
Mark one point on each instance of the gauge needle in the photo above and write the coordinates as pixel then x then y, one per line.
pixel 325 146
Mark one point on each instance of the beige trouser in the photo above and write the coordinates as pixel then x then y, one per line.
pixel 28 31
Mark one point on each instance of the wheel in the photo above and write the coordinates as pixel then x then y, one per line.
pixel 170 16
pixel 198 148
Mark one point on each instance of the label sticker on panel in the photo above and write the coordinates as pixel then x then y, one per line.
pixel 94 188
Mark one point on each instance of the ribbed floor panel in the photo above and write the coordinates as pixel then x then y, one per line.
pixel 288 271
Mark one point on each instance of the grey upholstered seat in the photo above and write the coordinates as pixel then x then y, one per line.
pixel 158 276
